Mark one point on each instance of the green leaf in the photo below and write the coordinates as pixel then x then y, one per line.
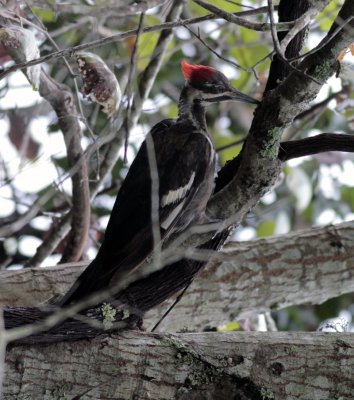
pixel 347 195
pixel 231 152
pixel 61 162
pixel 230 326
pixel 45 15
pixel 266 228
pixel 328 15
pixel 146 47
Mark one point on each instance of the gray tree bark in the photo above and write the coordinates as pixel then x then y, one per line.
pixel 251 277
pixel 135 365
pixel 308 266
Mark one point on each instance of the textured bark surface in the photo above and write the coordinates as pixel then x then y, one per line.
pixel 308 266
pixel 243 365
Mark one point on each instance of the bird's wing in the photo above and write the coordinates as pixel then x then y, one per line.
pixel 128 238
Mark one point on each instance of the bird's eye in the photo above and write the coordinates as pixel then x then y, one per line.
pixel 214 87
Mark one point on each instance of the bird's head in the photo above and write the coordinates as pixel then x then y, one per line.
pixel 211 85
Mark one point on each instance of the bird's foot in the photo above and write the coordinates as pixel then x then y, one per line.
pixel 135 323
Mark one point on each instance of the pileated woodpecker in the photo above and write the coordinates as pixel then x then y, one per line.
pixel 185 161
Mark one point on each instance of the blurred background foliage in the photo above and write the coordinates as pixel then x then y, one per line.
pixel 312 191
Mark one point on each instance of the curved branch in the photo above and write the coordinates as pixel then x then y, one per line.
pixel 293 149
pixel 316 144
pixel 61 99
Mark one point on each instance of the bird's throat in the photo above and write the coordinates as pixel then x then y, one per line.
pixel 190 108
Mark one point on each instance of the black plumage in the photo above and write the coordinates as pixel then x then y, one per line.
pixel 185 160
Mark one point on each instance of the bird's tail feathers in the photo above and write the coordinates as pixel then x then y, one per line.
pixel 87 283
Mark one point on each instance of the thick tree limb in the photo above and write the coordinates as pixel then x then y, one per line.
pixel 258 163
pixel 308 266
pixel 240 365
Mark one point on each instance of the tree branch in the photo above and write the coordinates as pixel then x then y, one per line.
pixel 235 19
pixel 238 365
pixel 118 8
pixel 279 68
pixel 316 144
pixel 148 76
pixel 244 278
pixel 258 165
pixel 118 37
pixel 60 97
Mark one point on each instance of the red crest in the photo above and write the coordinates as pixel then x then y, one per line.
pixel 199 73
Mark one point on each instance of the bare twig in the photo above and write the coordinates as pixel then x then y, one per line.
pixel 238 66
pixel 119 37
pixel 301 23
pixel 235 19
pixel 114 7
pixel 308 118
pixel 319 106
pixel 147 78
pixel 129 90
pixel 342 25
pixel 12 227
pixel 228 146
pixel 171 307
pixel 273 31
pixel 57 233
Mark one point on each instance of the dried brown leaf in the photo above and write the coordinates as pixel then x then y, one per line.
pixel 100 84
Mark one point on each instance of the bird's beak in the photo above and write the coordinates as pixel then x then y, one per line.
pixel 233 95
pixel 236 95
